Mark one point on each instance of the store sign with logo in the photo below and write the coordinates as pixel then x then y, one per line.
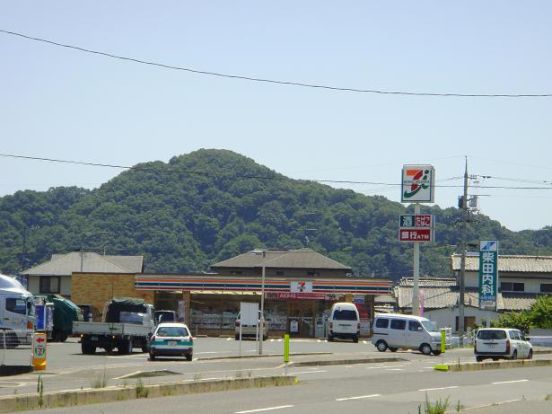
pixel 300 287
pixel 418 184
pixel 488 274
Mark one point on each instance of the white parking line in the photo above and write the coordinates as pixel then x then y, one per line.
pixel 259 410
pixel 360 397
pixel 438 389
pixel 309 372
pixel 510 382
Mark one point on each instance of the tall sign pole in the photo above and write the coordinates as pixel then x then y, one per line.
pixel 416 272
pixel 418 184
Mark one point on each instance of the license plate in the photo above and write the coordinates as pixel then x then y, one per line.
pixel 172 343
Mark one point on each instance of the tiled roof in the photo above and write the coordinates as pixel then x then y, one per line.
pixel 287 259
pixel 447 297
pixel 508 263
pixel 66 264
pixel 429 281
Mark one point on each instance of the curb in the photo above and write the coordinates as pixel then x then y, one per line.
pixel 261 356
pixel 346 362
pixel 73 398
pixel 480 366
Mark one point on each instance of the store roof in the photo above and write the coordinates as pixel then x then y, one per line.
pixel 282 259
pixel 66 264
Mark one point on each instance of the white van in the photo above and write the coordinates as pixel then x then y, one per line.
pixel 343 322
pixel 17 313
pixel 393 331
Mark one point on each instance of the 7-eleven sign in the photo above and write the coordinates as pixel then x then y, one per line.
pixel 418 183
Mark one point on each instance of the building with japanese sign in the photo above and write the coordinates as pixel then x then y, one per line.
pixel 299 288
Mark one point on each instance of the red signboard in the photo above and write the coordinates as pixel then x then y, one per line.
pixel 415 235
pixel 301 296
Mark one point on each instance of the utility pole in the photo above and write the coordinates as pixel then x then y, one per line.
pixel 461 282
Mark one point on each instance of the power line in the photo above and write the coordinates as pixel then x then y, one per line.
pixel 261 177
pixel 275 81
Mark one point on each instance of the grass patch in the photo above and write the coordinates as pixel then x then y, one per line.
pixel 437 407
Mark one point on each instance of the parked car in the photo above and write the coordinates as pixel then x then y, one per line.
pixel 164 316
pixel 250 330
pixel 394 331
pixel 343 322
pixel 171 339
pixel 501 343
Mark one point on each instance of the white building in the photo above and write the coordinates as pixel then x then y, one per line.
pixel 520 279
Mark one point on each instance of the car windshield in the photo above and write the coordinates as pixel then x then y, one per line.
pixel 491 334
pixel 345 315
pixel 430 326
pixel 172 331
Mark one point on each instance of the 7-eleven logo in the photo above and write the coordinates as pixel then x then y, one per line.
pixel 417 183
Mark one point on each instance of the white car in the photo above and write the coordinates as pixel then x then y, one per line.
pixel 250 330
pixel 501 343
pixel 171 339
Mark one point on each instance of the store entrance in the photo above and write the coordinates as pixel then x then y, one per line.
pixel 302 317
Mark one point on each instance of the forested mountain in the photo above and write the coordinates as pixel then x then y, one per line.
pixel 213 204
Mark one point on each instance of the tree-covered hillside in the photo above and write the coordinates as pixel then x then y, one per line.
pixel 213 204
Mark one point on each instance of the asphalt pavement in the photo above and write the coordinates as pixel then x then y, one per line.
pixel 332 374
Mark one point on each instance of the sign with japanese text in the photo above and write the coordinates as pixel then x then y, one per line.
pixel 418 182
pixel 415 235
pixel 416 220
pixel 488 274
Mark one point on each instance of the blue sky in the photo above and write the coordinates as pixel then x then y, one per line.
pixel 60 103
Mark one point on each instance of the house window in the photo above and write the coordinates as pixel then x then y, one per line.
pixel 512 287
pixel 469 322
pixel 546 288
pixel 50 284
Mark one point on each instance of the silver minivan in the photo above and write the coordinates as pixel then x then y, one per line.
pixel 393 331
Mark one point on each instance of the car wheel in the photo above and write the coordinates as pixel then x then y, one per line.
pixel 330 338
pixel 381 346
pixel 530 356
pixel 152 356
pixel 436 353
pixel 355 339
pixel 425 349
pixel 189 356
pixel 479 359
pixel 88 348
pixel 514 355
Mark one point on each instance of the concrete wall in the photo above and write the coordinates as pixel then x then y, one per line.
pixel 445 318
pixel 532 285
pixel 97 288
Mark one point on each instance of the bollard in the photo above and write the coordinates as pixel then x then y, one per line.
pixel 443 340
pixel 39 351
pixel 286 348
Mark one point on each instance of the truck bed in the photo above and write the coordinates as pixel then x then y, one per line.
pixel 108 328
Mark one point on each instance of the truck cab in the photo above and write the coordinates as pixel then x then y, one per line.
pixel 17 313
